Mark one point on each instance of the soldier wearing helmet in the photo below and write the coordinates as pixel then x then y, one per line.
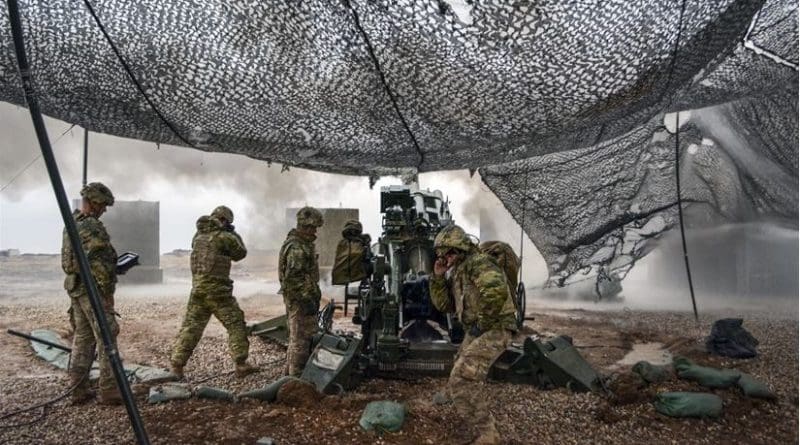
pixel 214 246
pixel 298 272
pixel 96 197
pixel 472 285
pixel 224 215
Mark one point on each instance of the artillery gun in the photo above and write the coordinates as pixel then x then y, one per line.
pixel 400 327
pixel 401 332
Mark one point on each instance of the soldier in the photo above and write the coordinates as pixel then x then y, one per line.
pixel 298 271
pixel 470 283
pixel 214 246
pixel 351 253
pixel 103 263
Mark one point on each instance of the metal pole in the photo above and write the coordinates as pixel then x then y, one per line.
pixel 680 212
pixel 39 340
pixel 69 223
pixel 522 227
pixel 85 154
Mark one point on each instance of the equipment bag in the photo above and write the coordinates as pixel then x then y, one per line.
pixel 729 339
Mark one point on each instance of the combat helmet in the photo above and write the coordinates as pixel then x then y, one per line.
pixel 453 237
pixel 309 216
pixel 352 228
pixel 98 193
pixel 223 212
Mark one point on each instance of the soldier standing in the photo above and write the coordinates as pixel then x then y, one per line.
pixel 298 272
pixel 470 283
pixel 214 246
pixel 103 264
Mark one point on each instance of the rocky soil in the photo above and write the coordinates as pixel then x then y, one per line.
pixel 150 320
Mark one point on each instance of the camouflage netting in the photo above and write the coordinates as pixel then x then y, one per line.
pixel 560 103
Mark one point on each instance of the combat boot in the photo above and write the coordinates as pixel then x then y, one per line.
pixel 177 370
pixel 244 369
pixel 81 395
pixel 109 397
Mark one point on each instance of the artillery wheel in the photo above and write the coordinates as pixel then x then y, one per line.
pixel 519 303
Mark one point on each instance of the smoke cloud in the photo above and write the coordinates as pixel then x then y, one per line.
pixel 257 192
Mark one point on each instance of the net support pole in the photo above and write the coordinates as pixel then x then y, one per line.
pixel 69 223
pixel 85 154
pixel 680 212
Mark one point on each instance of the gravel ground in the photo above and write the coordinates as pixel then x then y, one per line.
pixel 525 414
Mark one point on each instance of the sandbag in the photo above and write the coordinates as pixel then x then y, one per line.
pixel 651 373
pixel 754 388
pixel 383 416
pixel 708 377
pixel 729 339
pixel 209 392
pixel 688 404
pixel 504 256
pixel 348 266
pixel 268 393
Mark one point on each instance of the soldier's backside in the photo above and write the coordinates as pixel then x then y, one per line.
pixel 213 248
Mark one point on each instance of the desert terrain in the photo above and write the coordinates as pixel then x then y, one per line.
pixel 31 297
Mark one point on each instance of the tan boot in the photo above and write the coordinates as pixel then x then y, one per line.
pixel 109 397
pixel 244 369
pixel 177 370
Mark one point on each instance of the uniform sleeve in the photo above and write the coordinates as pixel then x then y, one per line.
pixel 234 246
pixel 96 245
pixel 294 275
pixel 440 294
pixel 493 290
pixel 67 256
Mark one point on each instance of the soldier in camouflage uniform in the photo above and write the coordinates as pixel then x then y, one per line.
pixel 214 246
pixel 298 271
pixel 103 264
pixel 470 283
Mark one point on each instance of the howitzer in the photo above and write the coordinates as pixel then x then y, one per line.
pixel 400 329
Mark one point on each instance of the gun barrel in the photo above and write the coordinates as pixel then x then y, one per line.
pixel 39 340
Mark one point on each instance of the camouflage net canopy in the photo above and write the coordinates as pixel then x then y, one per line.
pixel 559 103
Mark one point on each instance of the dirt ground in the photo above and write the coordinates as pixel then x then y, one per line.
pixel 30 298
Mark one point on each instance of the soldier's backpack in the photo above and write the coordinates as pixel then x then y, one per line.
pixel 349 263
pixel 348 266
pixel 504 256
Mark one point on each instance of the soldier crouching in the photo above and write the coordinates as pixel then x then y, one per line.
pixel 469 283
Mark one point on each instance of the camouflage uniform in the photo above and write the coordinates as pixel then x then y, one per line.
pixel 298 271
pixel 477 291
pixel 214 246
pixel 103 264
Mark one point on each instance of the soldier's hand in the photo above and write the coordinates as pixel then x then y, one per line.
pixel 440 266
